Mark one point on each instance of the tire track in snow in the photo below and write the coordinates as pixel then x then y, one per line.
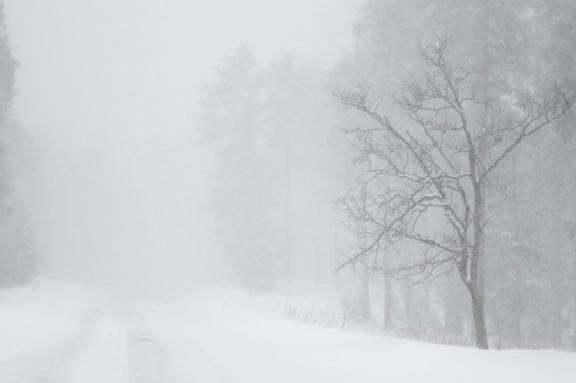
pixel 54 367
pixel 203 368
pixel 146 359
pixel 160 353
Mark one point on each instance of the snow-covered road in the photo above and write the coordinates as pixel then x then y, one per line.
pixel 56 335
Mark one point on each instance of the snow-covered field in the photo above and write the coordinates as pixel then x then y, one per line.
pixel 53 333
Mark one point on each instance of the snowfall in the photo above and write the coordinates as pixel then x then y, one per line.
pixel 56 333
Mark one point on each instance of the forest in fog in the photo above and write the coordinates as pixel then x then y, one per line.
pixel 399 168
pixel 444 139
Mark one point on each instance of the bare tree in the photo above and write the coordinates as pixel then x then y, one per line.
pixel 426 180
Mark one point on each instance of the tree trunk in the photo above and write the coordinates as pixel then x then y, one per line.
pixel 479 317
pixel 408 315
pixel 425 320
pixel 475 281
pixel 365 309
pixel 388 325
pixel 574 298
pixel 470 279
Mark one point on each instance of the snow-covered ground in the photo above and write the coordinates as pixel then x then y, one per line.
pixel 56 334
pixel 53 333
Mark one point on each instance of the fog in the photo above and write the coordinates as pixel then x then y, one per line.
pixel 109 93
pixel 287 191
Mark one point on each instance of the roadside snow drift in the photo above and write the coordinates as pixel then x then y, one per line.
pixel 57 334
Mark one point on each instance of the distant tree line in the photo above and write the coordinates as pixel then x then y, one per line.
pixel 270 209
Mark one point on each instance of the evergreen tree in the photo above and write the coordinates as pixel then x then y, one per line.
pixel 17 257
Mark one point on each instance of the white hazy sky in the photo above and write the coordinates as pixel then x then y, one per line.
pixel 108 90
